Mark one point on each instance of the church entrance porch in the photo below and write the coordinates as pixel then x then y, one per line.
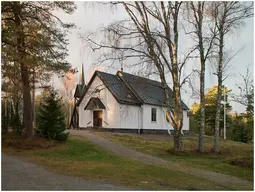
pixel 96 106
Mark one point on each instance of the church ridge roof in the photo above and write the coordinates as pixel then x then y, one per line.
pixel 142 89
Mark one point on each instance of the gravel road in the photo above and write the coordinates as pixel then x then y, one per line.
pixel 20 175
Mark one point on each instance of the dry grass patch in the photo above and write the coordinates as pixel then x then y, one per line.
pixel 84 159
pixel 234 159
pixel 22 143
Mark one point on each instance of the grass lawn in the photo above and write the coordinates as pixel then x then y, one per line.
pixel 79 157
pixel 234 159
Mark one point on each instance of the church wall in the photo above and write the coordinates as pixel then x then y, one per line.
pixel 160 123
pixel 111 117
pixel 130 117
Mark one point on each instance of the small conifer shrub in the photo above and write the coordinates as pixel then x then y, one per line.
pixel 50 118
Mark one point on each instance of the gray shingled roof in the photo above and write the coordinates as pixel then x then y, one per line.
pixel 135 90
pixel 118 88
pixel 79 90
pixel 151 92
pixel 94 103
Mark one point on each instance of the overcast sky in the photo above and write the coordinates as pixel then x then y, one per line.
pixel 90 18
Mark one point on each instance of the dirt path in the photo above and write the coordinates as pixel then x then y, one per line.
pixel 20 175
pixel 218 178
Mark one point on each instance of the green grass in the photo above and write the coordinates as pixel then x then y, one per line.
pixel 79 157
pixel 235 159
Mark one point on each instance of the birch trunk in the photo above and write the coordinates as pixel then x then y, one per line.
pixel 202 78
pixel 178 115
pixel 219 94
pixel 202 109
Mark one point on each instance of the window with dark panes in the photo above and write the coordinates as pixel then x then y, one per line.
pixel 153 114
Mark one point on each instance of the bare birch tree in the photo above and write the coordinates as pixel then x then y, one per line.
pixel 152 33
pixel 246 92
pixel 227 16
pixel 204 37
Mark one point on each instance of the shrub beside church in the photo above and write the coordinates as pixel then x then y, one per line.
pixel 50 118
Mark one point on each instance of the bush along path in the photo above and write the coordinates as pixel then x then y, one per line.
pixel 227 181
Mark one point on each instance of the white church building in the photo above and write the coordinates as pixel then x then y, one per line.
pixel 124 103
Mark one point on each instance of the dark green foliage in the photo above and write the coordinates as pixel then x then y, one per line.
pixel 240 133
pixel 250 125
pixel 15 121
pixel 4 117
pixel 241 128
pixel 45 36
pixel 11 117
pixel 11 103
pixel 50 118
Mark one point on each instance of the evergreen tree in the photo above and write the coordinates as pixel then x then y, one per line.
pixel 250 127
pixel 33 42
pixel 50 118
pixel 240 133
pixel 242 128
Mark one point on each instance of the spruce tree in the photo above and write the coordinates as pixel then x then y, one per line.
pixel 240 132
pixel 50 118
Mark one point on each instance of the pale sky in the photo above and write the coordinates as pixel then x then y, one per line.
pixel 89 19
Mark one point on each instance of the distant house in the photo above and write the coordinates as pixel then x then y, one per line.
pixel 126 103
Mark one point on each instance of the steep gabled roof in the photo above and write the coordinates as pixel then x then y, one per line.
pixel 116 86
pixel 132 89
pixel 94 103
pixel 149 91
pixel 79 90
